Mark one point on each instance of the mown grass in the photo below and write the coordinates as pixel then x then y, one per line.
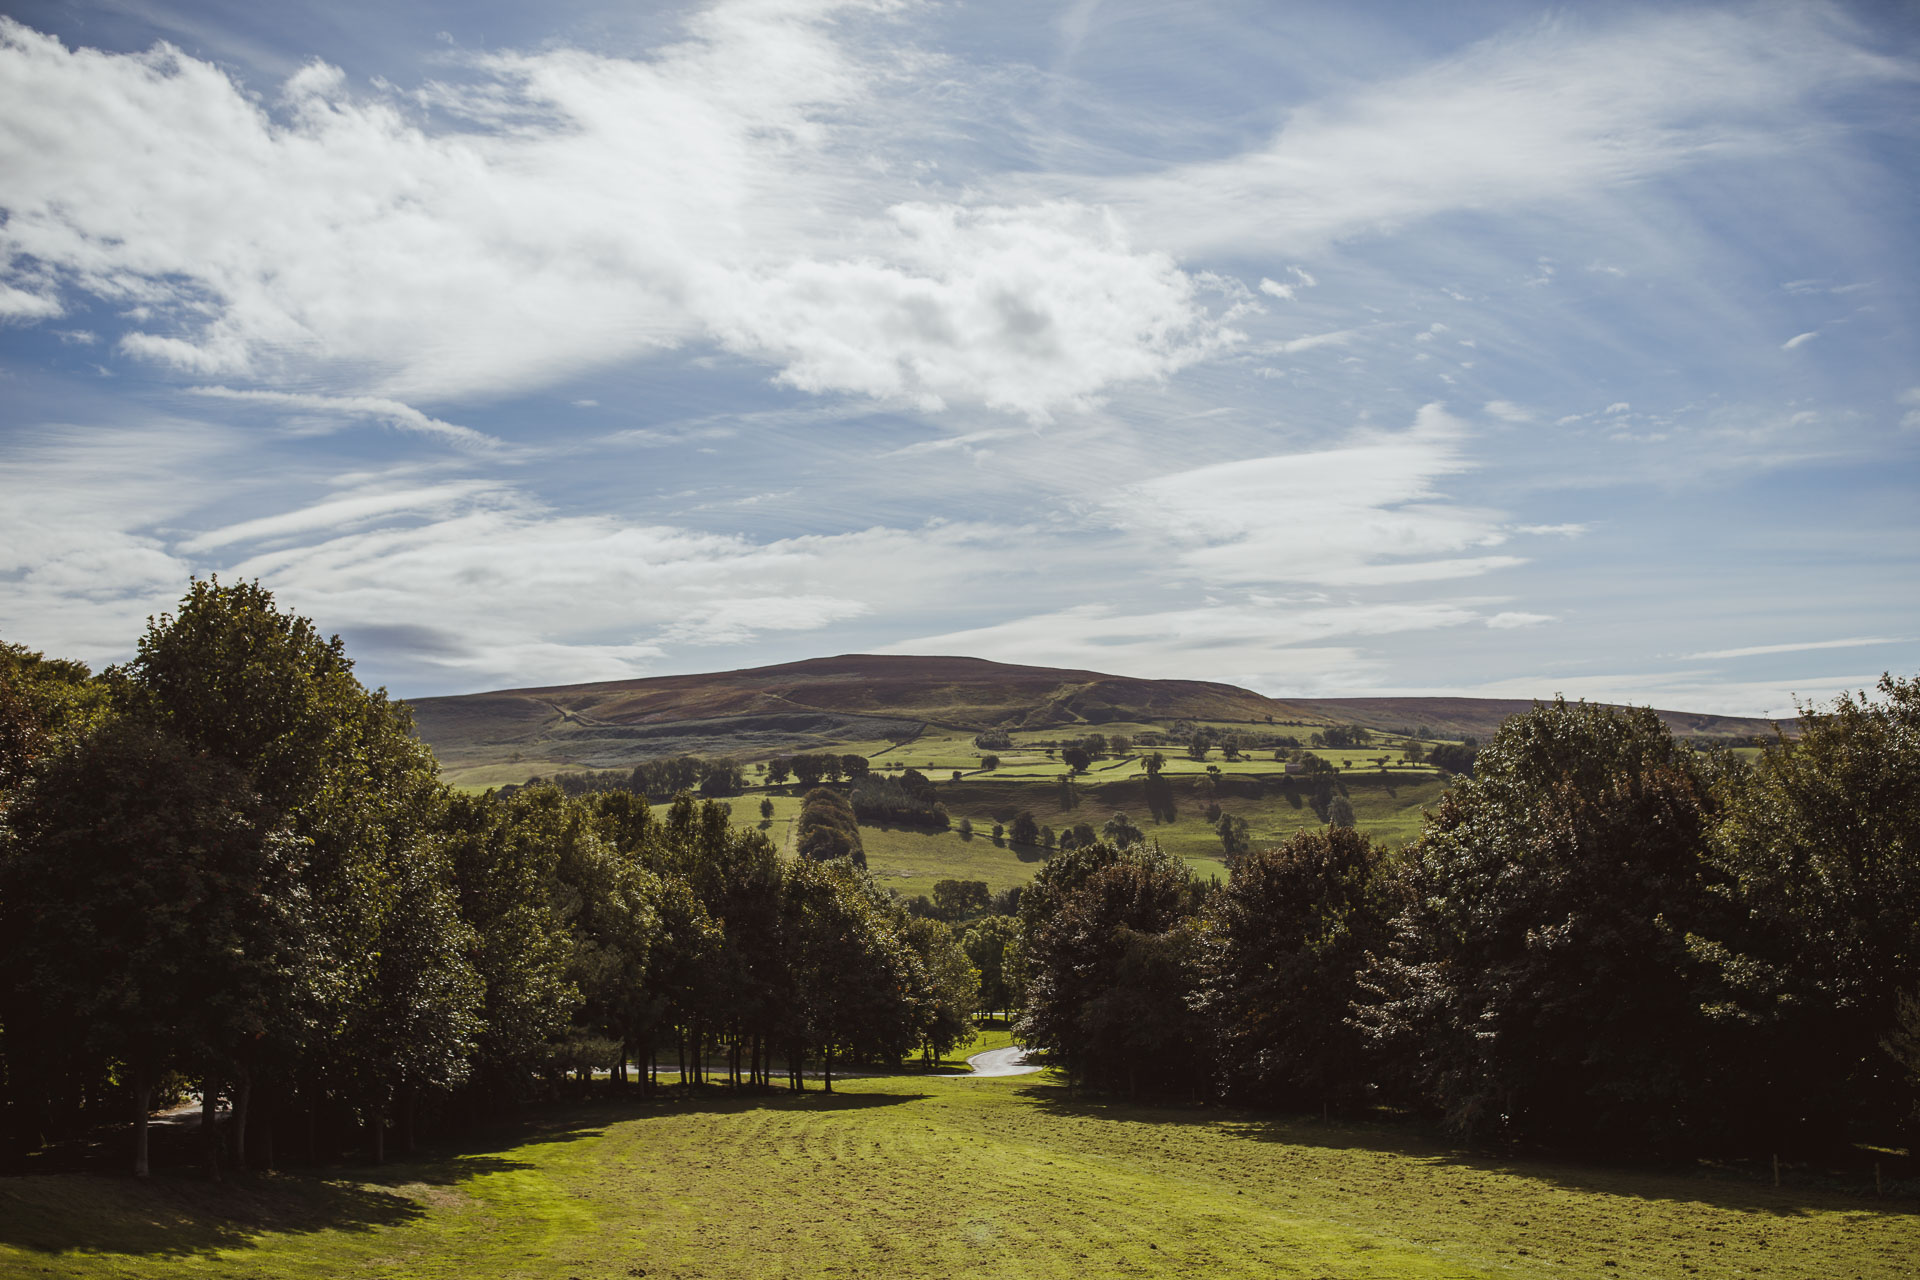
pixel 913 1175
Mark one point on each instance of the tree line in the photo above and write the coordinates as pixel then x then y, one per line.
pixel 1602 939
pixel 229 865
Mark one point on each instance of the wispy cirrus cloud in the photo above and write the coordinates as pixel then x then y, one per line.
pixel 1804 646
pixel 1558 108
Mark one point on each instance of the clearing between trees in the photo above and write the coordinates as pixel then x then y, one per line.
pixel 912 1176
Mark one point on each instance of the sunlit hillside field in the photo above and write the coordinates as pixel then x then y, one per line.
pixel 1388 807
pixel 915 1176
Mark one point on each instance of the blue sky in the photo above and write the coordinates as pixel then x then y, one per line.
pixel 1473 349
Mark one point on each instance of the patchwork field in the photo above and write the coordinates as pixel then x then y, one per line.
pixel 916 1176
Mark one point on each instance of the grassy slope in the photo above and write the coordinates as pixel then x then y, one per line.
pixel 909 1176
pixel 1388 808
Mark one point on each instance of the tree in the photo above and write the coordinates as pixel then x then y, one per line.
pixel 1076 757
pixel 1339 812
pixel 336 766
pixel 854 767
pixel 505 858
pixel 953 986
pixel 827 828
pixel 778 771
pixel 1230 746
pixel 766 809
pixel 986 942
pixel 1540 980
pixel 1107 965
pixel 1285 940
pixel 1821 841
pixel 989 763
pixel 808 770
pixel 1234 840
pixel 1197 746
pixel 1154 762
pixel 151 906
pixel 1121 831
pixel 1119 744
pixel 234 676
pixel 1025 830
pixel 859 987
pixel 966 828
pixel 959 899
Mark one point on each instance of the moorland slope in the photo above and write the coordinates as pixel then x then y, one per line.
pixel 880 698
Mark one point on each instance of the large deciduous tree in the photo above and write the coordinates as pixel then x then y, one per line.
pixel 1821 839
pixel 1287 938
pixel 153 912
pixel 1540 981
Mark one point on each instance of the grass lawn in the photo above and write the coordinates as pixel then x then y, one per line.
pixel 912 1176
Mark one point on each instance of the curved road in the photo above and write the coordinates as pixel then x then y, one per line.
pixel 1010 1061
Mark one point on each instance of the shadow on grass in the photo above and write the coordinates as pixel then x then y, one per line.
pixel 1729 1186
pixel 178 1214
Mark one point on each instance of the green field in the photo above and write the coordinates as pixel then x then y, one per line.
pixel 1387 807
pixel 917 1176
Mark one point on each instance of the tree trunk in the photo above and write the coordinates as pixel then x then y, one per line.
pixel 242 1100
pixel 826 1070
pixel 142 1105
pixel 266 1140
pixel 406 1120
pixel 377 1123
pixel 209 1130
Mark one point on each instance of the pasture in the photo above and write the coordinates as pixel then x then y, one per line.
pixel 909 1175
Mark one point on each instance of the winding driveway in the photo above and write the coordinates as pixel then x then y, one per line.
pixel 1010 1061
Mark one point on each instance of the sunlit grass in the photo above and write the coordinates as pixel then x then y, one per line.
pixel 912 1175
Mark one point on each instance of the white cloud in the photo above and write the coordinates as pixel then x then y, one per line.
pixel 458 584
pixel 392 412
pixel 25 304
pixel 1510 620
pixel 1559 109
pixel 1757 650
pixel 1366 513
pixel 560 210
pixel 1618 407
pixel 338 513
pixel 1799 340
pixel 1669 691
pixel 1911 418
pixel 1508 411
pixel 1290 289
pixel 1267 643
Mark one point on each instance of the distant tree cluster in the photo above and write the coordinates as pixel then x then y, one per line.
pixel 661 779
pixel 993 740
pixel 906 800
pixel 827 829
pixel 812 768
pixel 1603 939
pixel 229 864
pixel 1342 736
pixel 1454 757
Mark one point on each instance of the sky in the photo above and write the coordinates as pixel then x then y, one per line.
pixel 1477 349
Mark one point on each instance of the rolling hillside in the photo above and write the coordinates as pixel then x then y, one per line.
pixel 863 700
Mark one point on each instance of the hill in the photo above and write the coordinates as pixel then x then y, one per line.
pixel 870 701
